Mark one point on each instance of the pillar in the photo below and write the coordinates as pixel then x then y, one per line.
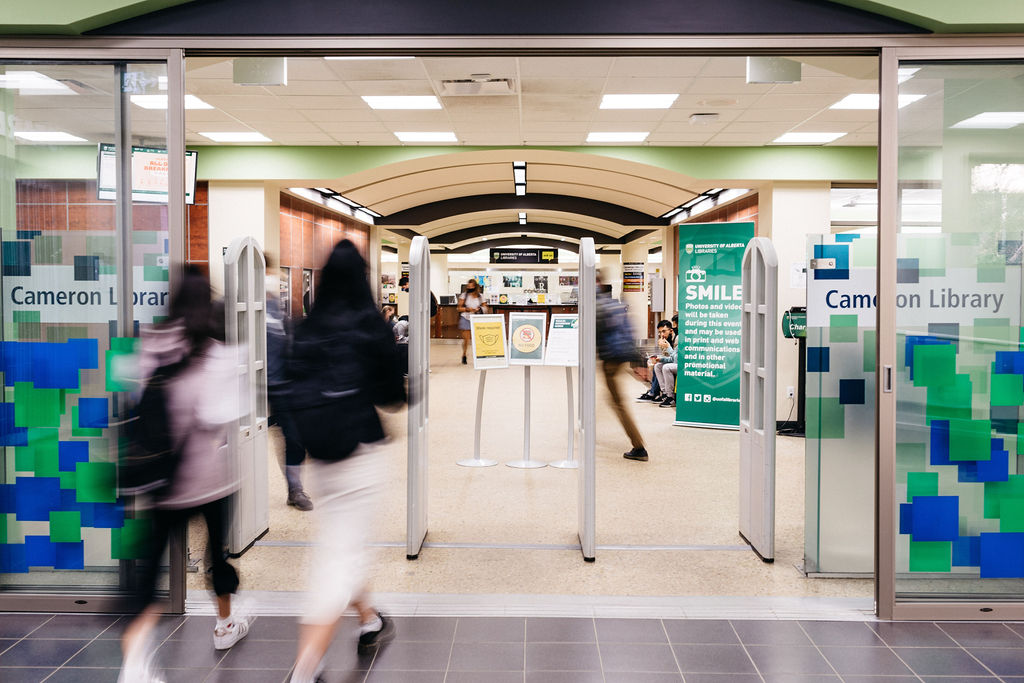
pixel 403 260
pixel 237 209
pixel 635 252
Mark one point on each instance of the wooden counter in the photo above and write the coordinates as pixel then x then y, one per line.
pixel 446 322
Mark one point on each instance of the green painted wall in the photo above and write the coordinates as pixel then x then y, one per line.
pixel 950 16
pixel 72 17
pixel 311 163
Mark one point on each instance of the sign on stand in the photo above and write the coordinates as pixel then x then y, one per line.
pixel 526 338
pixel 563 340
pixel 488 336
pixel 710 294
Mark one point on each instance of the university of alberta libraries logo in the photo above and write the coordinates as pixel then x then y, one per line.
pixel 689 248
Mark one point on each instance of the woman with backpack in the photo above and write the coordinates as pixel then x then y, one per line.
pixel 188 356
pixel 344 363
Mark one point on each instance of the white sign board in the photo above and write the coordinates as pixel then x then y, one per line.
pixel 563 340
pixel 488 337
pixel 526 338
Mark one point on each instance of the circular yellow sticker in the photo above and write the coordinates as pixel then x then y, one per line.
pixel 526 339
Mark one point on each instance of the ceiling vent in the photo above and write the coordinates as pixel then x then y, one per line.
pixel 469 87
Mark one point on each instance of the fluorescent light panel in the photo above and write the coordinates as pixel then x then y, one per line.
pixel 807 138
pixel 992 120
pixel 870 101
pixel 519 175
pixel 402 101
pixel 236 136
pixel 356 58
pixel 520 190
pixel 33 83
pixel 51 136
pixel 160 102
pixel 673 212
pixel 426 136
pixel 661 101
pixel 634 136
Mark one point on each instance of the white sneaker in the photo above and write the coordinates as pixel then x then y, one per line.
pixel 226 636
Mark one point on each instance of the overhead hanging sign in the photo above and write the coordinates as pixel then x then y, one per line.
pixel 563 340
pixel 526 338
pixel 524 255
pixel 710 305
pixel 488 337
pixel 149 174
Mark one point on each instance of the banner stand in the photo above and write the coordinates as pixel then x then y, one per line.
pixel 476 461
pixel 526 463
pixel 568 463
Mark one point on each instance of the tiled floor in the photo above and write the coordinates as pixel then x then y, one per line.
pixel 85 649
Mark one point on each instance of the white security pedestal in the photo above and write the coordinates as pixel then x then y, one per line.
pixel 587 375
pixel 419 395
pixel 757 397
pixel 246 325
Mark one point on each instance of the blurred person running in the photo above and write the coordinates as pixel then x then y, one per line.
pixel 200 403
pixel 344 362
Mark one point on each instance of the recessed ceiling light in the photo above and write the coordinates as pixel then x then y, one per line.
pixel 160 102
pixel 237 136
pixel 52 136
pixel 426 136
pixel 807 138
pixel 870 101
pixel 357 58
pixel 402 101
pixel 992 120
pixel 520 190
pixel 522 218
pixel 663 101
pixel 618 137
pixel 33 83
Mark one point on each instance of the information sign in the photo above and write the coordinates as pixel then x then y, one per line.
pixel 632 277
pixel 524 255
pixel 526 338
pixel 563 340
pixel 149 174
pixel 710 306
pixel 488 336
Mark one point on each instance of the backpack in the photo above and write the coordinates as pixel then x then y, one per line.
pixel 151 455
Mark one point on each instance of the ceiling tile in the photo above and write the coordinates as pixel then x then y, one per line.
pixel 643 85
pixel 561 86
pixel 794 116
pixel 376 69
pixel 564 67
pixel 410 87
pixel 657 67
pixel 458 68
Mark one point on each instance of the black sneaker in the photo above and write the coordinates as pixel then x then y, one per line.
pixel 370 642
pixel 463 360
pixel 636 454
pixel 669 402
pixel 646 397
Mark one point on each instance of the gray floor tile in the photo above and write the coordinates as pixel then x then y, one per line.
pixel 650 657
pixel 75 626
pixel 399 656
pixel 866 661
pixel 425 628
pixel 33 652
pixel 1002 661
pixel 484 677
pixel 488 657
pixel 935 661
pixel 560 630
pixel 69 675
pixel 490 630
pixel 757 632
pixel 24 675
pixel 195 653
pixel 405 677
pixel 5 644
pixel 982 635
pixel 880 679
pixel 630 631
pixel 564 677
pixel 185 675
pixel 841 633
pixel 963 679
pixel 700 631
pixel 195 628
pixel 720 659
pixel 641 677
pixel 801 678
pixel 562 657
pixel 164 627
pixel 722 678
pixel 246 676
pixel 788 660
pixel 274 628
pixel 99 653
pixel 20 625
pixel 911 634
pixel 260 654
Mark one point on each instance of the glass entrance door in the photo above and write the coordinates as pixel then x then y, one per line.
pixel 84 263
pixel 952 534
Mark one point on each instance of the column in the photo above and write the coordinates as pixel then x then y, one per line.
pixel 236 209
pixel 403 261
pixel 636 252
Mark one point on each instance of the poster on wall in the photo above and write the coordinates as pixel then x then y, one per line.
pixel 563 340
pixel 488 337
pixel 540 283
pixel 512 280
pixel 568 281
pixel 307 290
pixel 526 338
pixel 632 277
pixel 285 293
pixel 710 301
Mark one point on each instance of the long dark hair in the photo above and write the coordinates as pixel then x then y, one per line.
pixel 343 281
pixel 192 306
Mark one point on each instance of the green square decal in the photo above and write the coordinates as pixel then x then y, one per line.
pixel 47 250
pixel 948 402
pixel 65 527
pixel 155 273
pixel 842 328
pixel 931 556
pixel 970 440
pixel 825 418
pixel 930 252
pixel 998 491
pixel 144 236
pixel 1011 515
pixel 102 246
pixel 44 445
pixel 869 350
pixel 129 541
pixel 934 365
pixel 36 407
pixel 864 253
pixel 96 482
pixel 1007 390
pixel 922 484
pixel 910 457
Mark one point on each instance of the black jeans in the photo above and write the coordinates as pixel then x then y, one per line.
pixel 225 578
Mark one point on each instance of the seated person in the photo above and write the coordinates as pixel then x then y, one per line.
pixel 666 340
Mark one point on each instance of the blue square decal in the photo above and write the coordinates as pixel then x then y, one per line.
pixel 92 413
pixel 87 267
pixel 71 452
pixel 935 518
pixel 851 391
pixel 1002 555
pixel 817 359
pixel 17 258
pixel 908 270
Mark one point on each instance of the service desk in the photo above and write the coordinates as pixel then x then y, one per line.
pixel 446 322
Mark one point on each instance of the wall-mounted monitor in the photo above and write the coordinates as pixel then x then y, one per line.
pixel 149 174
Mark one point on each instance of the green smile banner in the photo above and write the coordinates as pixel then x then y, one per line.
pixel 710 302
